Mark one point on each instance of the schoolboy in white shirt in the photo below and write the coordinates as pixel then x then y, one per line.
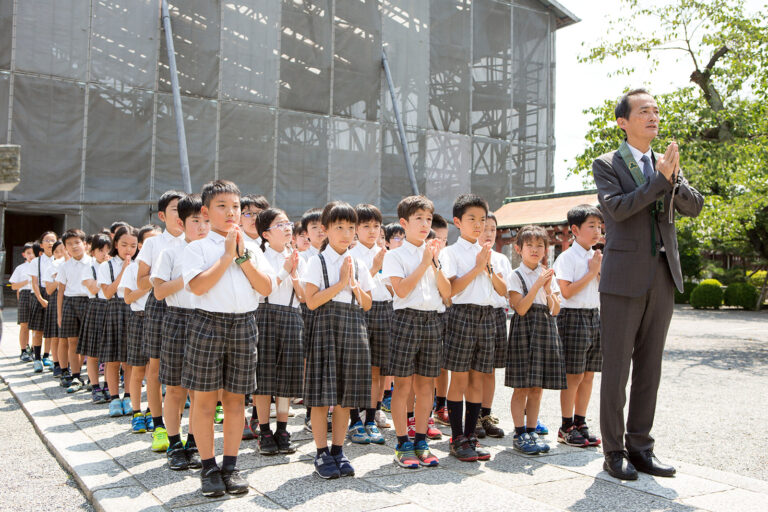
pixel 22 284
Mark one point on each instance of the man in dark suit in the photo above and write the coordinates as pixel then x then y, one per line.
pixel 641 267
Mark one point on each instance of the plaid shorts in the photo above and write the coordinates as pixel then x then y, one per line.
pixel 416 345
pixel 51 322
pixel 37 312
pixel 25 305
pixel 174 341
pixel 338 358
pixel 534 357
pixel 220 352
pixel 135 347
pixel 280 365
pixel 378 323
pixel 500 347
pixel 470 338
pixel 580 337
pixel 73 316
pixel 153 325
pixel 113 346
pixel 93 328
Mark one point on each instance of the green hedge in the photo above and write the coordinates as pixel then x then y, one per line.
pixel 743 295
pixel 685 297
pixel 712 281
pixel 706 295
pixel 757 279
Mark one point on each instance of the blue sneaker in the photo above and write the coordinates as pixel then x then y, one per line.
pixel 344 465
pixel 357 434
pixel 525 444
pixel 116 408
pixel 386 404
pixel 48 363
pixel 540 444
pixel 541 428
pixel 374 436
pixel 37 366
pixel 138 425
pixel 149 421
pixel 57 372
pixel 127 407
pixel 187 404
pixel 325 466
pixel 97 396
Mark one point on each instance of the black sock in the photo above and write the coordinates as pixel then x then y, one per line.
pixel 354 415
pixel 281 426
pixel 172 440
pixel 378 406
pixel 567 422
pixel 419 437
pixel 23 351
pixel 470 418
pixel 322 451
pixel 229 462
pixel 410 414
pixel 114 397
pixel 387 393
pixel 335 449
pixel 36 350
pixel 439 402
pixel 455 415
pixel 158 421
pixel 218 404
pixel 519 431
pixel 369 415
pixel 56 364
pixel 209 463
pixel 530 430
pixel 485 411
pixel 126 395
pixel 136 412
pixel 190 441
pixel 264 428
pixel 45 354
pixel 579 420
pixel 401 440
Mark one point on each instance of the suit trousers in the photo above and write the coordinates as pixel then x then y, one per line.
pixel 633 329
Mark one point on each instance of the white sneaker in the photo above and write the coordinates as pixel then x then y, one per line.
pixel 381 419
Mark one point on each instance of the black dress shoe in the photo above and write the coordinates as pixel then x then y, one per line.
pixel 618 466
pixel 647 462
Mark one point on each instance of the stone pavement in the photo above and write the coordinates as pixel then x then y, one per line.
pixel 117 471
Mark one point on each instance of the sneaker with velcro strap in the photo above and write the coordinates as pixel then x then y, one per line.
pixel 463 450
pixel 284 443
pixel 593 439
pixel 234 483
pixel 572 437
pixel 525 444
pixel 212 484
pixel 138 425
pixel 405 456
pixel 426 457
pixel 325 466
pixel 177 457
pixel 344 465
pixel 267 444
pixel 541 446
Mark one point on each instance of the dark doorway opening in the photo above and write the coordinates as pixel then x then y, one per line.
pixel 21 228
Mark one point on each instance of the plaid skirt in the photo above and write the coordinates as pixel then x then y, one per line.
pixel 470 338
pixel 135 349
pixel 534 357
pixel 338 368
pixel 73 316
pixel 378 323
pixel 93 328
pixel 580 336
pixel 280 364
pixel 500 347
pixel 113 346
pixel 51 324
pixel 37 312
pixel 25 306
pixel 154 310
pixel 220 352
pixel 174 341
pixel 416 345
pixel 307 315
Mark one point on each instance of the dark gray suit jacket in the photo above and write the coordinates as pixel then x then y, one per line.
pixel 628 264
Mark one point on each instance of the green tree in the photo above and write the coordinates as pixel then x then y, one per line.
pixel 720 120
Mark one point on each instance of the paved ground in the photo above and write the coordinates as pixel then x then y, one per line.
pixel 712 399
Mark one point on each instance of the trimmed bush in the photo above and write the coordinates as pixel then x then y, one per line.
pixel 743 295
pixel 757 279
pixel 712 281
pixel 706 295
pixel 685 297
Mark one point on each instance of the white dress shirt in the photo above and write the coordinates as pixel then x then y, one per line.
pixel 153 246
pixel 168 268
pixel 458 260
pixel 639 155
pixel 129 282
pixel 232 293
pixel 21 274
pixel 503 268
pixel 38 268
pixel 333 260
pixel 70 275
pixel 572 265
pixel 49 274
pixel 530 276
pixel 105 277
pixel 90 272
pixel 281 294
pixel 379 292
pixel 404 261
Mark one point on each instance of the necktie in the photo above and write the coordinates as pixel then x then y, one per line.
pixel 647 167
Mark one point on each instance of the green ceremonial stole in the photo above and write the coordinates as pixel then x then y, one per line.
pixel 639 177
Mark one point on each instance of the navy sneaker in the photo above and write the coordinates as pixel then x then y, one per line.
pixel 344 465
pixel 525 444
pixel 325 466
pixel 57 371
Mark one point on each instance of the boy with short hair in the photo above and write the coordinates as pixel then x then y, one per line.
pixel 250 207
pixel 578 276
pixel 22 284
pixel 440 228
pixel 471 328
pixel 223 272
pixel 311 225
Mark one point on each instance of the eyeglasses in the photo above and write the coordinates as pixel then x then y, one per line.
pixel 49 240
pixel 248 215
pixel 397 239
pixel 282 225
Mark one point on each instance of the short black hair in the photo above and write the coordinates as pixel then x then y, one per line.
pixel 431 234
pixel 121 232
pixel 491 216
pixel 336 211
pixel 73 233
pixel 99 241
pixel 623 107
pixel 37 249
pixel 439 222
pixel 368 213
pixel 166 198
pixel 531 232
pixel 298 229
pixel 115 225
pixel 310 216
pixel 392 229
pixel 411 204
pixel 56 244
pixel 147 229
pixel 257 201
pixel 466 201
pixel 217 187
pixel 28 246
pixel 189 205
pixel 578 215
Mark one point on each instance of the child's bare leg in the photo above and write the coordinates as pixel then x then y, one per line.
pixel 234 415
pixel 23 336
pixel 441 383
pixel 532 407
pixel 376 387
pixel 127 373
pixel 458 386
pixel 489 388
pixel 401 397
pixel 261 404
pixel 112 376
pixel 37 339
pixel 201 422
pixel 134 386
pixel 422 386
pixel 568 395
pixel 154 389
pixel 92 367
pixel 52 347
pixel 319 419
pixel 74 359
pixel 283 407
pixel 62 353
pixel 172 408
pixel 517 406
pixel 339 423
pixel 584 393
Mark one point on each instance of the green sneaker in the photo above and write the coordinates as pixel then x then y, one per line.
pixel 160 440
pixel 219 416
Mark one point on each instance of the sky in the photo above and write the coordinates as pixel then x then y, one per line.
pixel 579 86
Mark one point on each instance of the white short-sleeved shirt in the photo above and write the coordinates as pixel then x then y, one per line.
pixel 503 268
pixel 70 275
pixel 168 268
pixel 379 292
pixel 49 274
pixel 21 274
pixel 313 274
pixel 105 277
pixel 233 293
pixel 38 268
pixel 572 265
pixel 256 240
pixel 129 282
pixel 459 259
pixel 281 295
pixel 404 261
pixel 90 272
pixel 530 276
pixel 153 246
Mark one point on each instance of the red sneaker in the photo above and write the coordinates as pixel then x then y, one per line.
pixel 432 431
pixel 441 416
pixel 412 427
